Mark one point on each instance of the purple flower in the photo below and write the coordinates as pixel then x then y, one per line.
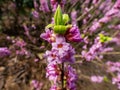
pixel 36 84
pixel 106 6
pixel 4 51
pixel 52 56
pixel 74 17
pixel 20 43
pixel 70 56
pixel 54 4
pixel 113 66
pixel 53 71
pixel 73 34
pixel 116 39
pixel 35 13
pixel 57 70
pixel 53 87
pixel 71 78
pixel 95 26
pixel 116 80
pixel 35 4
pixel 48 36
pixel 22 52
pixel 113 12
pixel 97 79
pixel 93 51
pixel 36 59
pixel 61 52
pixel 62 47
pixel 20 47
pixel 117 4
pixel 65 52
pixel 44 6
pixel 87 56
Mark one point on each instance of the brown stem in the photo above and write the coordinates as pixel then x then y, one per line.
pixel 62 76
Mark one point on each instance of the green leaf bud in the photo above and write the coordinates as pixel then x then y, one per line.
pixel 58 18
pixel 66 18
pixel 60 29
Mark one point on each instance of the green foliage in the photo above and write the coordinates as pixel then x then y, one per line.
pixel 58 16
pixel 104 38
pixel 106 79
pixel 60 20
pixel 60 29
pixel 66 18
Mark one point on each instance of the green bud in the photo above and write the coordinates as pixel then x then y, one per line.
pixel 66 18
pixel 60 29
pixel 106 79
pixel 58 16
pixel 104 38
pixel 68 26
pixel 49 26
pixel 82 35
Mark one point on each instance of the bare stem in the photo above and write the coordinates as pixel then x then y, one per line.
pixel 62 76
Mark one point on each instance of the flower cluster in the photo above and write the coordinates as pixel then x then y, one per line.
pixel 59 72
pixel 113 12
pixel 114 67
pixel 54 3
pixel 71 77
pixel 97 79
pixel 73 34
pixel 20 47
pixel 116 39
pixel 61 52
pixel 44 6
pixel 4 51
pixel 97 47
pixel 116 80
pixel 36 84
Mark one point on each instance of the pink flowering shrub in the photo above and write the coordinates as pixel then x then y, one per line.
pixel 61 74
pixel 66 38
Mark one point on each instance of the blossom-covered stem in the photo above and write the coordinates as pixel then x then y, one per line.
pixel 114 12
pixel 91 9
pixel 60 73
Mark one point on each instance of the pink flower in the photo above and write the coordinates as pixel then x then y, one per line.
pixel 71 78
pixel 97 79
pixel 36 84
pixel 73 34
pixel 53 87
pixel 94 51
pixel 53 71
pixel 116 39
pixel 44 6
pixel 74 17
pixel 48 36
pixel 35 14
pixel 4 51
pixel 113 66
pixel 64 50
pixel 116 80
pixel 52 56
pixel 54 4
pixel 95 26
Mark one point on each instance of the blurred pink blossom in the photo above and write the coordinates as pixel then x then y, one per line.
pixel 97 79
